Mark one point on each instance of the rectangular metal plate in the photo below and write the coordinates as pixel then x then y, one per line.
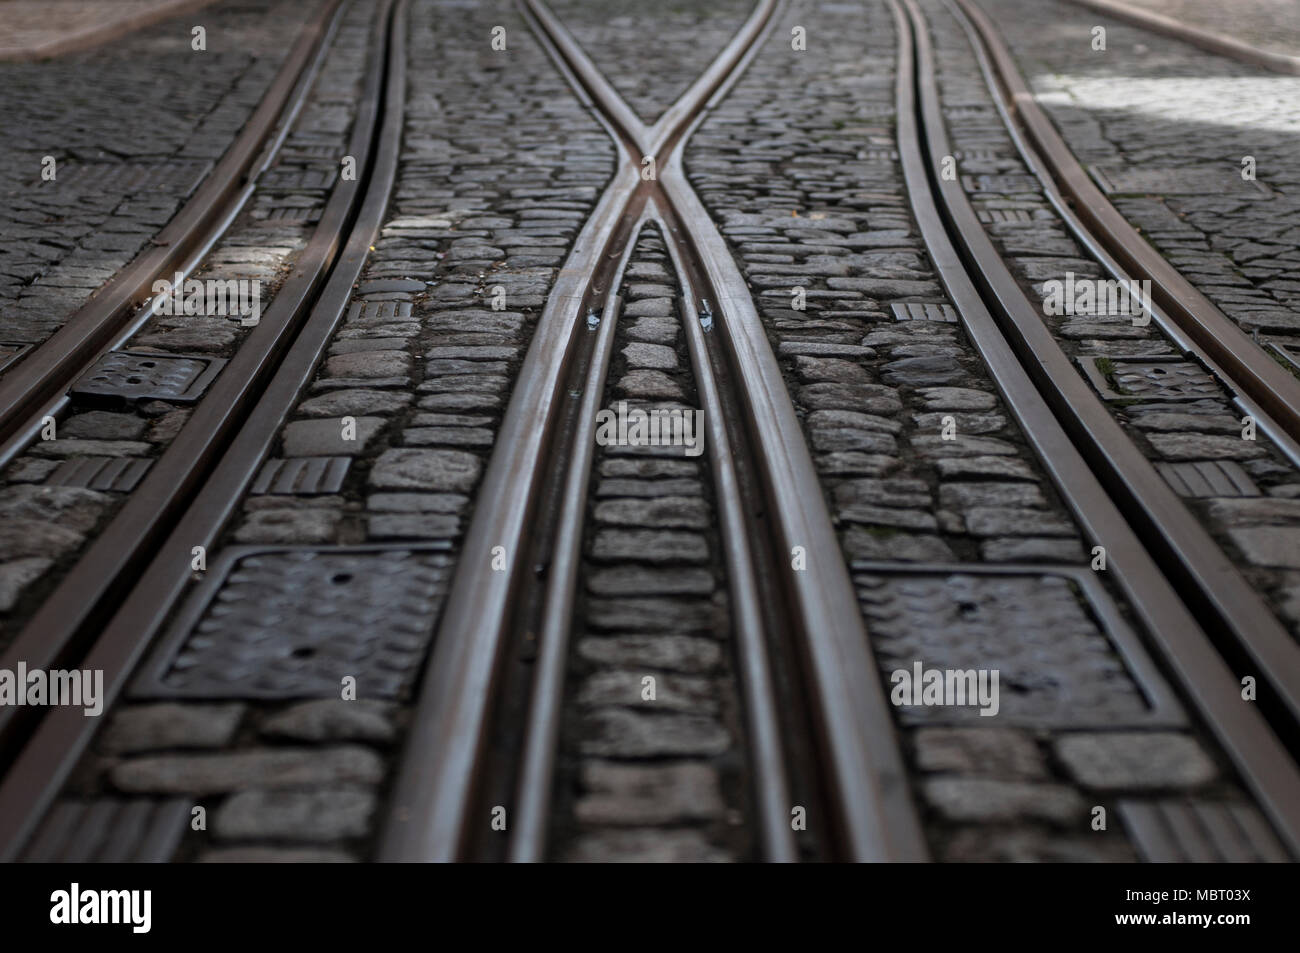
pixel 924 311
pixel 135 376
pixel 293 621
pixel 1204 478
pixel 302 476
pixel 112 474
pixel 110 830
pixel 1002 184
pixel 9 353
pixel 1223 179
pixel 296 179
pixel 1200 832
pixel 1066 657
pixel 997 216
pixel 1151 379
pixel 180 177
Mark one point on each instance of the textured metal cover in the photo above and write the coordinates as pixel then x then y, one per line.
pixel 293 215
pixel 114 474
pixel 110 830
pixel 302 475
pixel 12 352
pixel 134 376
pixel 1065 657
pixel 180 177
pixel 292 622
pixel 291 179
pixel 1150 379
pixel 1208 478
pixel 924 311
pixel 1000 183
pixel 1200 832
pixel 1223 179
pixel 1005 216
pixel 378 312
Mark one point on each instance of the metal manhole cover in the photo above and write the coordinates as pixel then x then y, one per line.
pixel 1064 656
pixel 1203 478
pixel 924 311
pixel 111 830
pixel 292 622
pixel 1149 379
pixel 1188 180
pixel 133 376
pixel 114 474
pixel 1200 832
pixel 9 353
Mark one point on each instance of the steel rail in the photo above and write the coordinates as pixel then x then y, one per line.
pixel 1212 42
pixel 876 818
pixel 1245 363
pixel 22 433
pixel 1263 762
pixel 535 781
pixel 1180 543
pixel 84 595
pixel 872 812
pixel 1096 247
pixel 442 763
pixel 61 738
pixel 39 379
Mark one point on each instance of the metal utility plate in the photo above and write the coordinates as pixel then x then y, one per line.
pixel 291 622
pixel 114 474
pixel 301 476
pixel 1066 657
pixel 1206 478
pixel 1152 378
pixel 1215 180
pixel 1200 832
pixel 924 311
pixel 111 830
pixel 130 375
pixel 179 177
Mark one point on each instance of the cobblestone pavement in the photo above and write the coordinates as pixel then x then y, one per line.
pixel 52 507
pixel 962 553
pixel 652 54
pixel 1235 243
pixel 798 165
pixel 1168 126
pixel 1272 25
pixel 32 29
pixel 127 149
pixel 655 606
pixel 500 167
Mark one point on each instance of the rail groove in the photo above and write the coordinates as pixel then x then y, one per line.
pixel 261 391
pixel 1066 432
pixel 434 797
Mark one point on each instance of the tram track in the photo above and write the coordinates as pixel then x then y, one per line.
pixel 1106 482
pixel 105 608
pixel 863 783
